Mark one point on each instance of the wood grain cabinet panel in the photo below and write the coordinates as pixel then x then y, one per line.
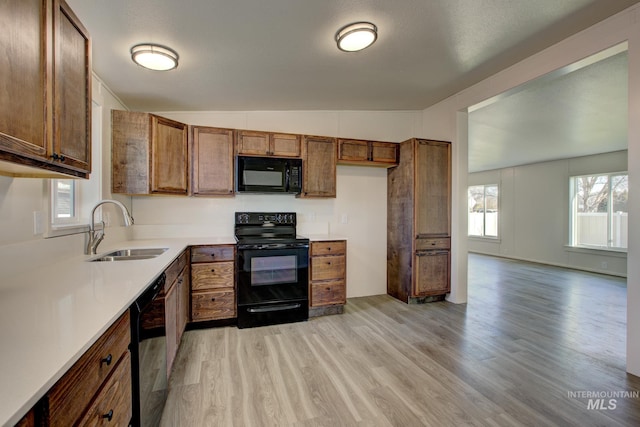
pixel 149 154
pixel 72 394
pixel 256 143
pixel 328 277
pixel 212 275
pixel 213 305
pixel 213 289
pixel 432 273
pixel 327 267
pixel 213 253
pixel 45 107
pixel 285 145
pixel 319 158
pixel 112 406
pixel 419 222
pixel 330 292
pixel 367 153
pixel 212 161
pixel 72 90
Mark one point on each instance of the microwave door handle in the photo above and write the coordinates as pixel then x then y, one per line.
pixel 287 170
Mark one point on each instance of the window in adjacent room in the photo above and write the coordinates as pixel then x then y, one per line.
pixel 599 215
pixel 483 210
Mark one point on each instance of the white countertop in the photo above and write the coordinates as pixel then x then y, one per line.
pixel 52 314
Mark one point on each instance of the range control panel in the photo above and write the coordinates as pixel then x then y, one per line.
pixel 259 218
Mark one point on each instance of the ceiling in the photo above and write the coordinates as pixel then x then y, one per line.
pixel 574 112
pixel 255 55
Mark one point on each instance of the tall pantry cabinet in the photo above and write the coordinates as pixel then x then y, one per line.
pixel 419 222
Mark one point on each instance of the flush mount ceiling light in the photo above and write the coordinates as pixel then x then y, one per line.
pixel 356 36
pixel 154 57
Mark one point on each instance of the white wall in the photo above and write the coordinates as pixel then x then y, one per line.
pixel 358 213
pixel 21 197
pixel 446 119
pixel 534 213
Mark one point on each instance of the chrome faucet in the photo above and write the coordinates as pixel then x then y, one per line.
pixel 96 236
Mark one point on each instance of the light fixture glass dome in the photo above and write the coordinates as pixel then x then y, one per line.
pixel 356 36
pixel 154 57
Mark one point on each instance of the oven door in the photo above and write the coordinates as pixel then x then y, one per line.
pixel 273 284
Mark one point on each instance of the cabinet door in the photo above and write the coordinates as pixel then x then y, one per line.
pixel 432 273
pixel 252 143
pixel 285 145
pixel 319 167
pixel 384 152
pixel 23 61
pixel 184 303
pixel 171 325
pixel 212 161
pixel 352 150
pixel 433 188
pixel 169 156
pixel 72 89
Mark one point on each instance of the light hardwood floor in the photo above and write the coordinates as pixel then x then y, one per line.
pixel 529 336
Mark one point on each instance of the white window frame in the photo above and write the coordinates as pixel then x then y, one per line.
pixel 484 213
pixel 573 227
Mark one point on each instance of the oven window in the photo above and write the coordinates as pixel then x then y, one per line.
pixel 271 270
pixel 263 178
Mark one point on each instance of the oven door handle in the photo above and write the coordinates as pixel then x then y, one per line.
pixel 273 308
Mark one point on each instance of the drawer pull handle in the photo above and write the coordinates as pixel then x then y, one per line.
pixel 213 254
pixel 107 360
pixel 213 270
pixel 213 299
pixel 108 415
pixel 329 248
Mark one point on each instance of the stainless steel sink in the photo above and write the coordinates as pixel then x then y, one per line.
pixel 130 254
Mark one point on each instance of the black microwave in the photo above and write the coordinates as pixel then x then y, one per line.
pixel 268 175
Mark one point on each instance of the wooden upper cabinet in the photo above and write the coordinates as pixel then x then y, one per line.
pixel 149 154
pixel 45 107
pixel 72 90
pixel 319 156
pixel 254 143
pixel 384 152
pixel 285 145
pixel 212 164
pixel 169 156
pixel 433 188
pixel 367 153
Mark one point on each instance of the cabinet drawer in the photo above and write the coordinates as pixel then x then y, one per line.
pixel 212 275
pixel 213 305
pixel 328 267
pixel 429 244
pixel 334 247
pixel 213 253
pixel 328 293
pixel 174 270
pixel 70 396
pixel 112 406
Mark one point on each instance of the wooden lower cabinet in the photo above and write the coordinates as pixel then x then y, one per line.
pixel 213 291
pixel 432 273
pixel 98 385
pixel 328 277
pixel 112 405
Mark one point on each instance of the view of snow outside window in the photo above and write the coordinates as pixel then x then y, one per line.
pixel 599 211
pixel 483 210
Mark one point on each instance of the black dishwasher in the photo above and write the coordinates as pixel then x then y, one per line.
pixel 148 356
